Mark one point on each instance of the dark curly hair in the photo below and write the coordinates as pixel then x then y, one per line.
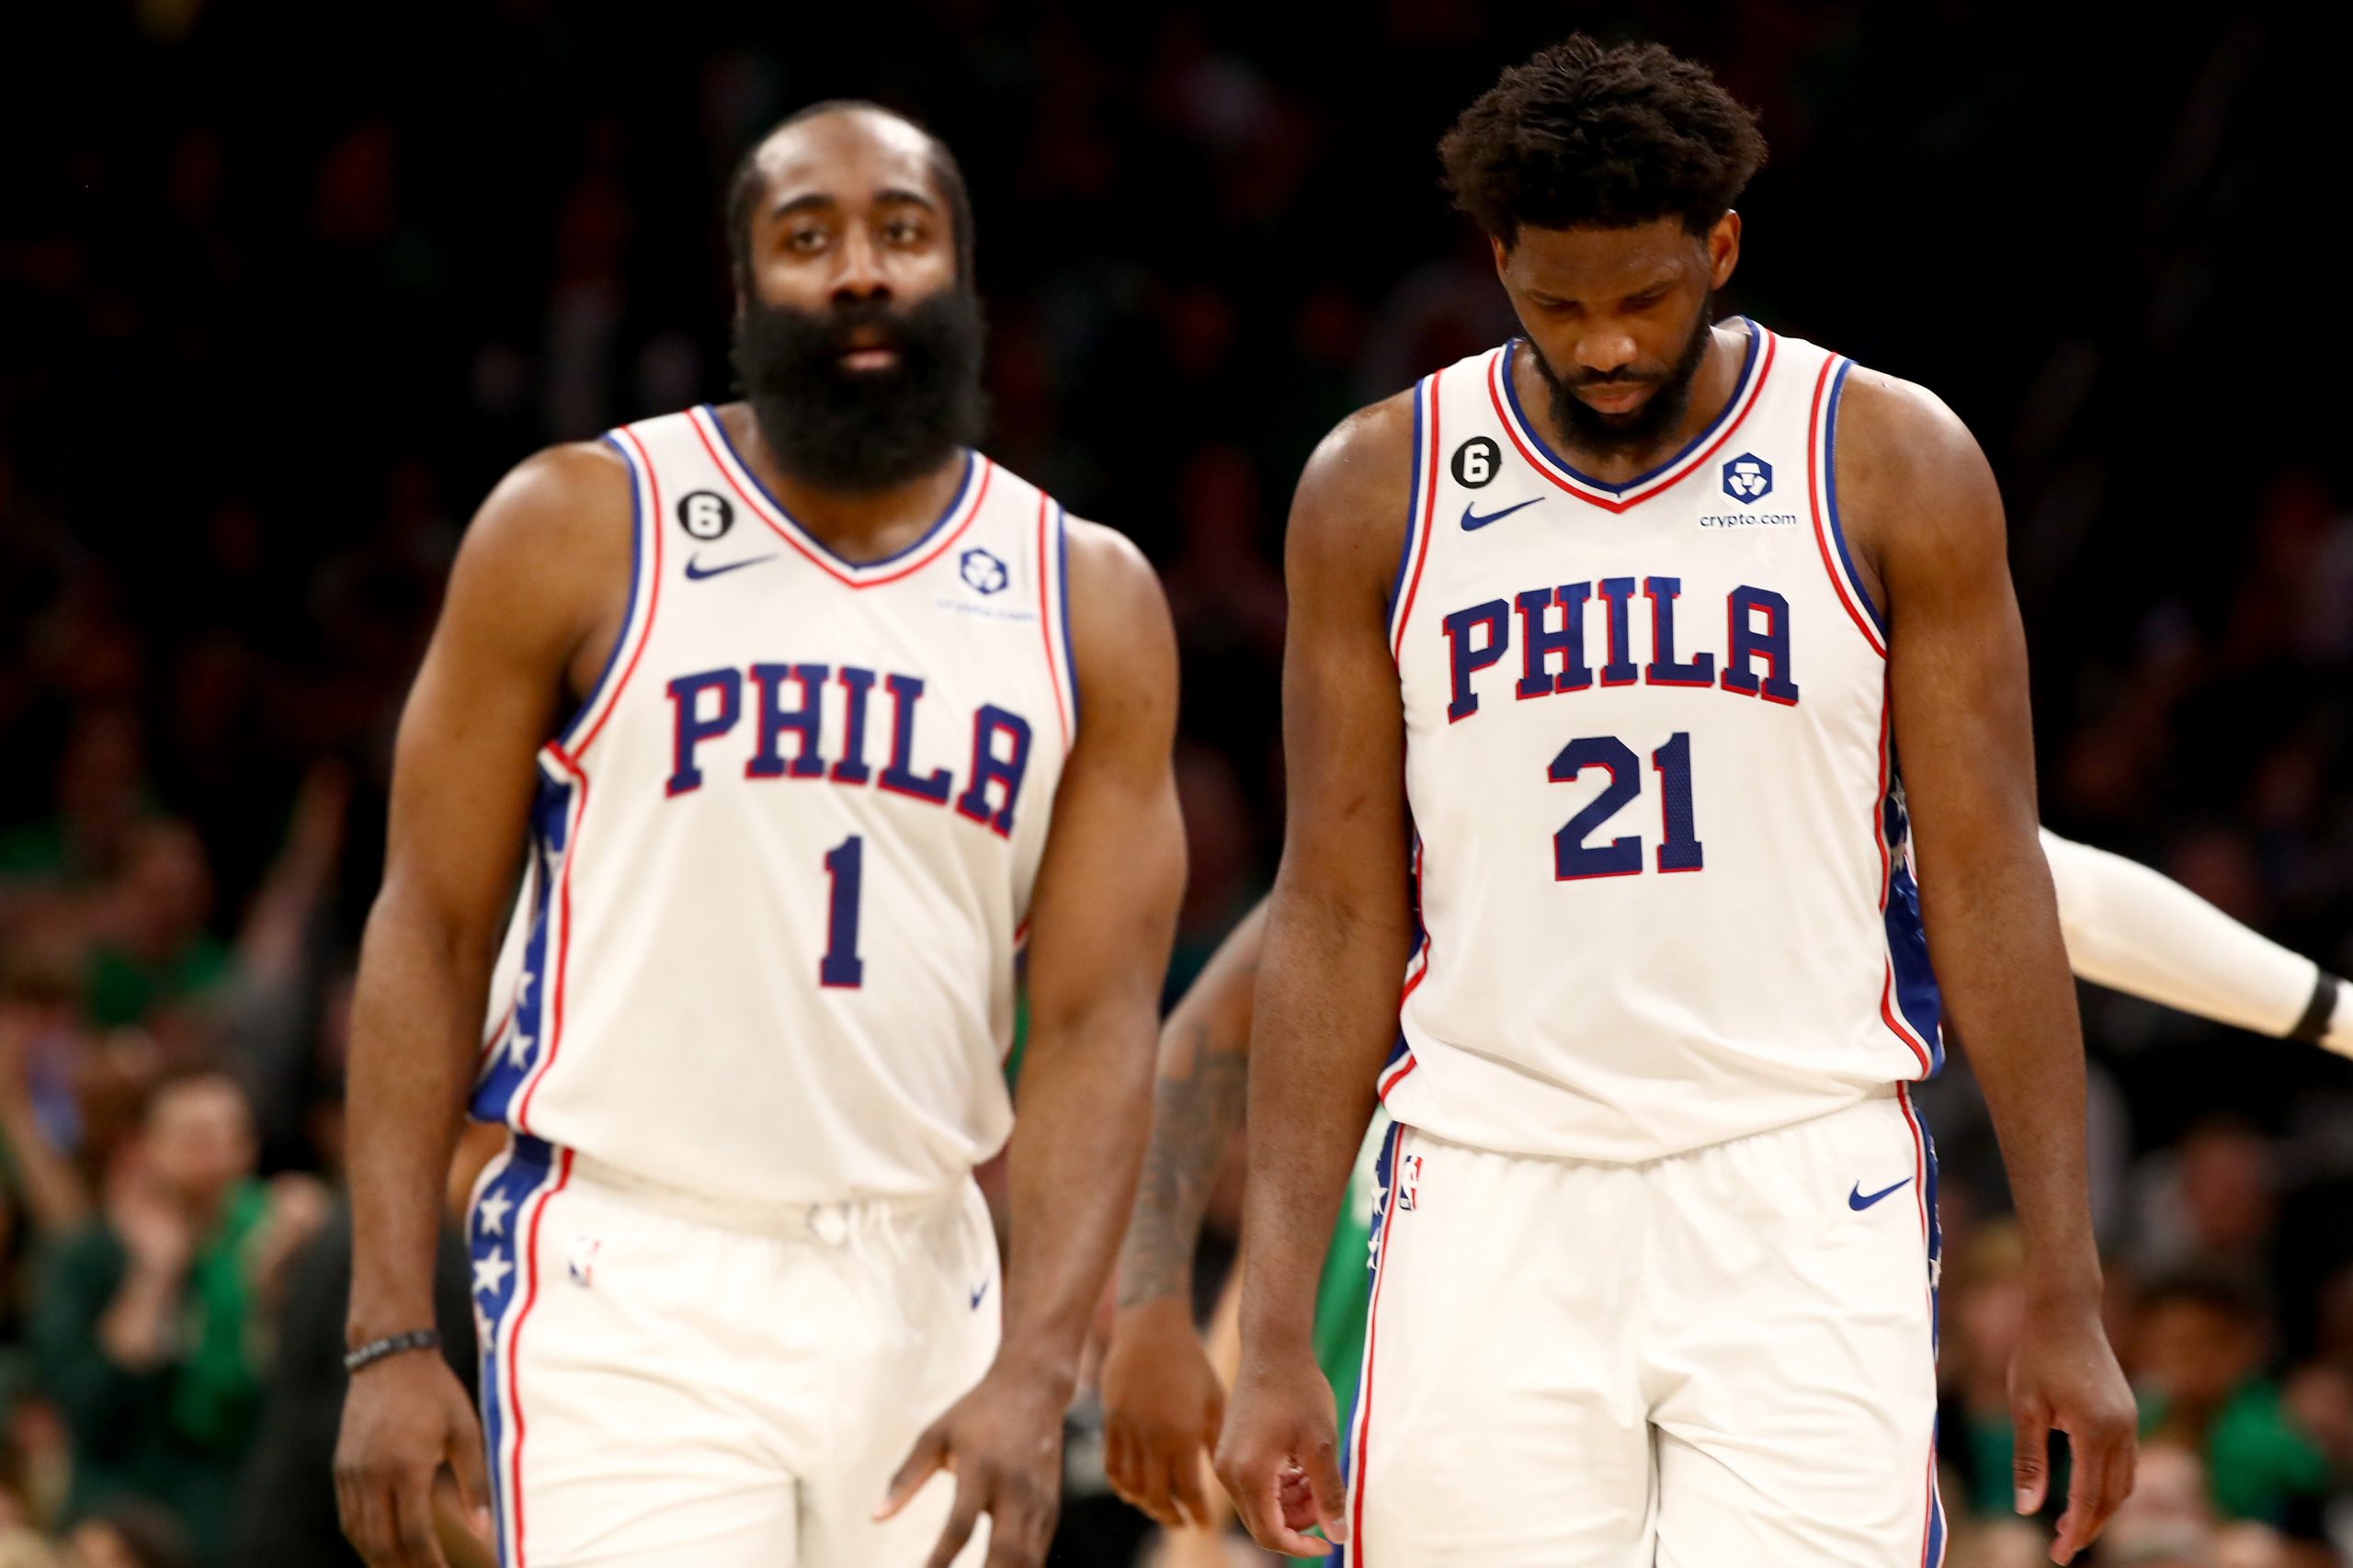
pixel 1601 135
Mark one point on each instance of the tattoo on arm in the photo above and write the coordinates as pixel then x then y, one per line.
pixel 1192 1118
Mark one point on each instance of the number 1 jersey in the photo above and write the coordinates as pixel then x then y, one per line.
pixel 780 860
pixel 1661 853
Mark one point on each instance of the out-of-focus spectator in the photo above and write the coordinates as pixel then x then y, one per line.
pixel 38 1038
pixel 2198 1358
pixel 2212 1199
pixel 100 798
pixel 1220 885
pixel 1985 1306
pixel 2319 1393
pixel 146 1326
pixel 2168 1521
pixel 35 1469
pixel 133 1535
pixel 156 947
pixel 21 1548
pixel 1998 1543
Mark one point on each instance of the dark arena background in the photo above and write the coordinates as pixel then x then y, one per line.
pixel 285 287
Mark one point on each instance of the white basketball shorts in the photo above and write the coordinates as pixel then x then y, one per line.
pixel 664 1386
pixel 1726 1357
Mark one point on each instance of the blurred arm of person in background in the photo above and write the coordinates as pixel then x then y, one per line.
pixel 55 1197
pixel 271 942
pixel 535 601
pixel 2126 927
pixel 2138 931
pixel 269 1011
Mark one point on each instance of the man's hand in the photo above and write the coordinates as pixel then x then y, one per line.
pixel 1003 1442
pixel 1278 1457
pixel 1162 1406
pixel 405 1418
pixel 2064 1377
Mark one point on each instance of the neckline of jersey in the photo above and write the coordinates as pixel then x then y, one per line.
pixel 1732 404
pixel 955 503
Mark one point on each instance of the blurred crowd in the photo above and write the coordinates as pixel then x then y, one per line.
pixel 268 330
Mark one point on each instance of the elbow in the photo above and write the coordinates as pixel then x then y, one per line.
pixel 409 926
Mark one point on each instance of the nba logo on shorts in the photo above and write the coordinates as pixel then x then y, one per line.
pixel 1748 478
pixel 1409 1181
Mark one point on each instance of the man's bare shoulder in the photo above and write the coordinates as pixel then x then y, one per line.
pixel 1349 516
pixel 559 500
pixel 1366 461
pixel 1122 639
pixel 1103 561
pixel 545 564
pixel 1899 443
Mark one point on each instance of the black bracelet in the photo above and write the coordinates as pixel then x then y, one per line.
pixel 2318 1012
pixel 392 1345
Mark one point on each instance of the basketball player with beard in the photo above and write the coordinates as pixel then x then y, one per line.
pixel 801 719
pixel 1621 658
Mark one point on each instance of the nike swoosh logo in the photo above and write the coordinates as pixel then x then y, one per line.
pixel 1859 1200
pixel 1471 519
pixel 981 1291
pixel 697 572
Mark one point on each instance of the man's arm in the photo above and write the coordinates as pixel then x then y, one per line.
pixel 1162 1402
pixel 1927 512
pixel 1102 919
pixel 2136 930
pixel 539 574
pixel 1337 931
pixel 1195 1103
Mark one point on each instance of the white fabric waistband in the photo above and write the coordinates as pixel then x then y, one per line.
pixel 1871 1095
pixel 830 1224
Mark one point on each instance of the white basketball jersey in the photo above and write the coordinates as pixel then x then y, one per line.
pixel 1661 850
pixel 781 860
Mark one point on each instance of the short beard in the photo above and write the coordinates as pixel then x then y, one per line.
pixel 863 431
pixel 1640 429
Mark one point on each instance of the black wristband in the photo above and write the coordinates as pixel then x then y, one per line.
pixel 392 1344
pixel 2318 1012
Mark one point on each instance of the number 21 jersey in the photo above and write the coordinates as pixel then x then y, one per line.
pixel 780 860
pixel 1661 853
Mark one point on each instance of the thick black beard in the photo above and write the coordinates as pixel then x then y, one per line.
pixel 1639 430
pixel 863 431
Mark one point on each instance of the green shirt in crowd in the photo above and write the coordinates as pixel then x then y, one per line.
pixel 177 1434
pixel 2257 1462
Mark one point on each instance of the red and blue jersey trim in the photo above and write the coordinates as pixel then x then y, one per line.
pixel 1053 612
pixel 1923 1188
pixel 935 542
pixel 1910 1003
pixel 1421 497
pixel 1755 368
pixel 1821 487
pixel 644 595
pixel 1358 1441
pixel 1402 1061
